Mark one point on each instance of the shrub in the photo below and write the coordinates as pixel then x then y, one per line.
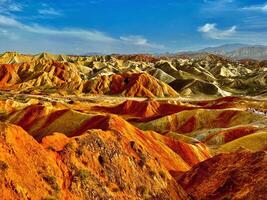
pixel 52 181
pixel 3 166
pixel 81 175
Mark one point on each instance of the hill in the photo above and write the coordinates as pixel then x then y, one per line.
pixel 132 127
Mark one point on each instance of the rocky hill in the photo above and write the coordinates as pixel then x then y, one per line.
pixel 228 176
pixel 132 127
pixel 206 75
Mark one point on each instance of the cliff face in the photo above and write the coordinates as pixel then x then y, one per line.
pixel 27 169
pixel 96 165
pixel 240 175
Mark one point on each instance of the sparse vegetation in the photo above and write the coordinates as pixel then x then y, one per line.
pixel 69 146
pixel 162 174
pixel 79 152
pixel 3 166
pixel 143 192
pixel 152 174
pixel 142 161
pixel 52 181
pixel 51 148
pixel 81 175
pixel 139 152
pixel 101 160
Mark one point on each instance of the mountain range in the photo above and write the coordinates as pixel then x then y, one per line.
pixel 238 51
pixel 234 51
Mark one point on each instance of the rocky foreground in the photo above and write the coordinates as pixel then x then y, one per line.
pixel 132 127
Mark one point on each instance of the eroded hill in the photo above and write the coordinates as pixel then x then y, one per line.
pixel 207 75
pixel 132 127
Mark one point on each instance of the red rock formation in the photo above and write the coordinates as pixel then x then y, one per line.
pixel 40 121
pixel 144 110
pixel 97 165
pixel 66 143
pixel 233 133
pixel 8 76
pixel 27 170
pixel 134 84
pixel 185 152
pixel 241 175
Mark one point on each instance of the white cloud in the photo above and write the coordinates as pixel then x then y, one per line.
pixel 231 35
pixel 140 41
pixel 8 34
pixel 49 11
pixel 37 29
pixel 46 10
pixel 7 6
pixel 212 32
pixel 217 6
pixel 261 8
pixel 8 21
pixel 73 33
pixel 76 33
pixel 65 38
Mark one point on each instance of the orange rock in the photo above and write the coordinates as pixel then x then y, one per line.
pixel 241 175
pixel 56 141
pixel 159 146
pixel 130 85
pixel 144 110
pixel 96 165
pixel 8 76
pixel 27 170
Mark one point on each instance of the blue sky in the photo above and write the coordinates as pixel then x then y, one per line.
pixel 129 26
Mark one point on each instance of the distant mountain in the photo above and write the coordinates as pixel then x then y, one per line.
pixel 238 51
pixel 94 54
pixel 253 52
pixel 223 48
